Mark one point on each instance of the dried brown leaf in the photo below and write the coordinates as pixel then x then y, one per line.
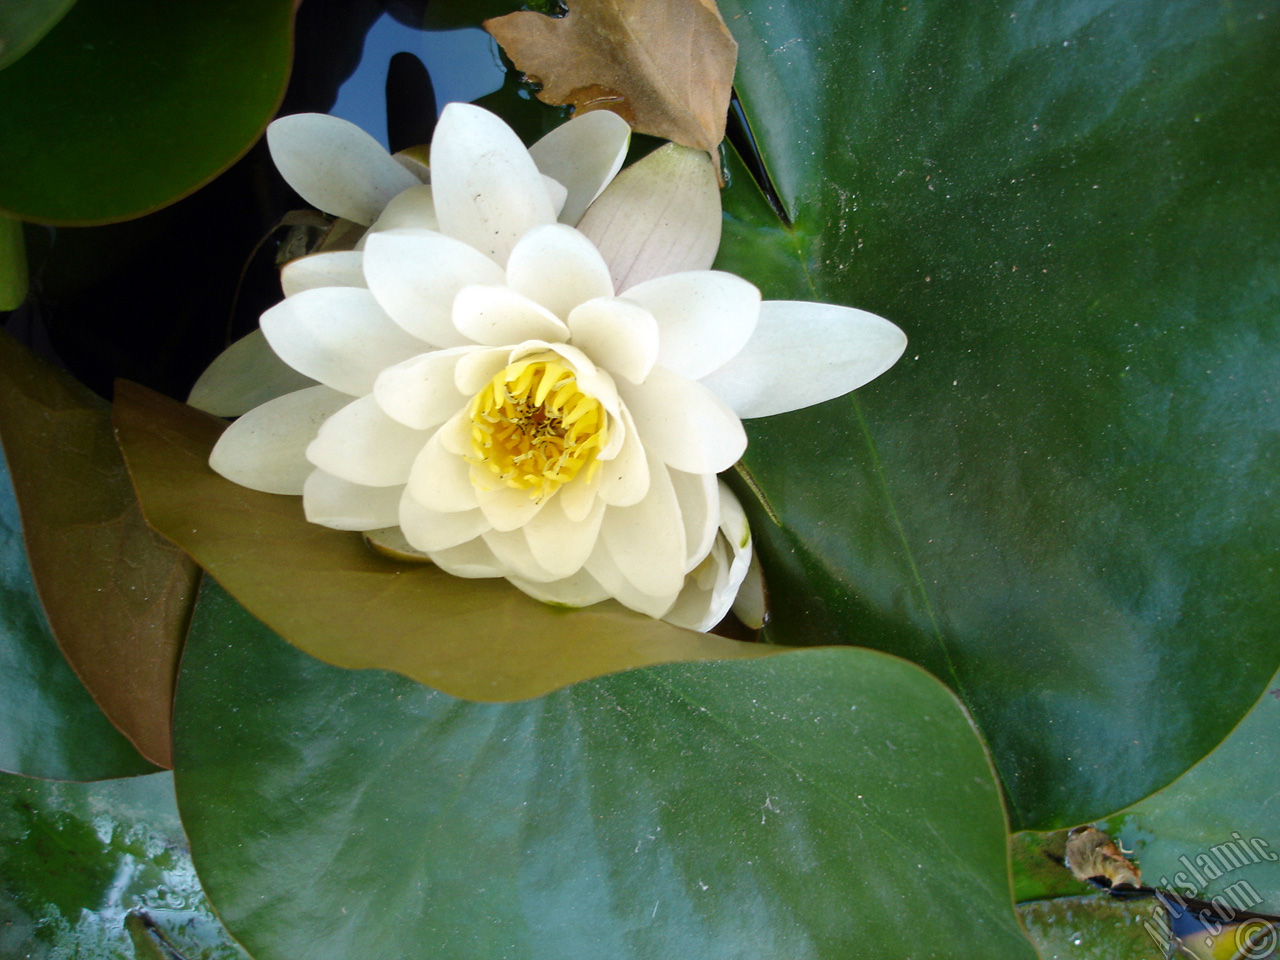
pixel 666 66
pixel 118 597
pixel 329 594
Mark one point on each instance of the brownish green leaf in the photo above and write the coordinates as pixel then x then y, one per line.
pixel 117 596
pixel 330 595
pixel 664 65
pixel 13 264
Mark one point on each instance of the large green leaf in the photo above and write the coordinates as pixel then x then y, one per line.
pixel 24 23
pixel 128 105
pixel 101 872
pixel 330 594
pixel 820 803
pixel 117 595
pixel 49 725
pixel 1060 500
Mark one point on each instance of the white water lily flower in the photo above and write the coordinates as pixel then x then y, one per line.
pixel 521 397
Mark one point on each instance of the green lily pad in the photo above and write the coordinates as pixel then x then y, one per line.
pixel 1095 926
pixel 101 872
pixel 1060 500
pixel 23 24
pixel 49 725
pixel 821 803
pixel 334 597
pixel 127 105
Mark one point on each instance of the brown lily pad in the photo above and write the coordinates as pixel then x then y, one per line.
pixel 330 595
pixel 118 597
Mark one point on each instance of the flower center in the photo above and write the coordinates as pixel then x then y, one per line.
pixel 535 428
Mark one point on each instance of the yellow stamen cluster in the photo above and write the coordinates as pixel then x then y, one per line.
pixel 534 427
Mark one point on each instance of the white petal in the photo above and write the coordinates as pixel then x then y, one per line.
pixel 414 208
pixel 618 334
pixel 624 480
pixel 336 503
pixel 705 317
pixel 584 155
pixel 339 336
pixel 361 444
pixel 421 392
pixel 661 215
pixel 579 590
pixel 390 542
pixel 246 374
pixel 480 366
pixel 504 507
pixel 455 434
pixel 684 424
pixel 441 480
pixel 577 498
pixel 805 353
pixel 473 559
pixel 266 448
pixel 646 540
pixel 558 544
pixel 494 315
pixel 706 596
pixel 336 166
pixel 557 193
pixel 488 191
pixel 342 268
pixel 559 268
pixel 699 498
pixel 751 605
pixel 415 274
pixel 431 530
pixel 512 551
pixel 604 571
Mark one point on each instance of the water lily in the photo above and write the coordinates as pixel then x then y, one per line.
pixel 527 369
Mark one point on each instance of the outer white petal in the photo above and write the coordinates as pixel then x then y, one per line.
pixel 473 559
pixel 705 317
pixel 339 336
pixel 414 208
pixel 496 315
pixel 624 479
pixel 415 274
pixel 336 166
pixel 661 215
pixel 266 448
pixel 604 571
pixel 579 590
pixel 246 374
pixel 336 503
pixel 710 589
pixel 557 193
pixel 751 605
pixel 512 551
pixel 429 530
pixel 684 424
pixel 699 498
pixel 646 540
pixel 341 268
pixel 559 268
pixel 363 445
pixel 805 353
pixel 584 155
pixel 421 392
pixel 488 192
pixel 442 480
pixel 618 334
pixel 560 545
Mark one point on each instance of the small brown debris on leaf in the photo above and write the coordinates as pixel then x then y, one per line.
pixel 1093 857
pixel 665 66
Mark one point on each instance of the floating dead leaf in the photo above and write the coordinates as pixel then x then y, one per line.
pixel 666 66
pixel 329 594
pixel 118 597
